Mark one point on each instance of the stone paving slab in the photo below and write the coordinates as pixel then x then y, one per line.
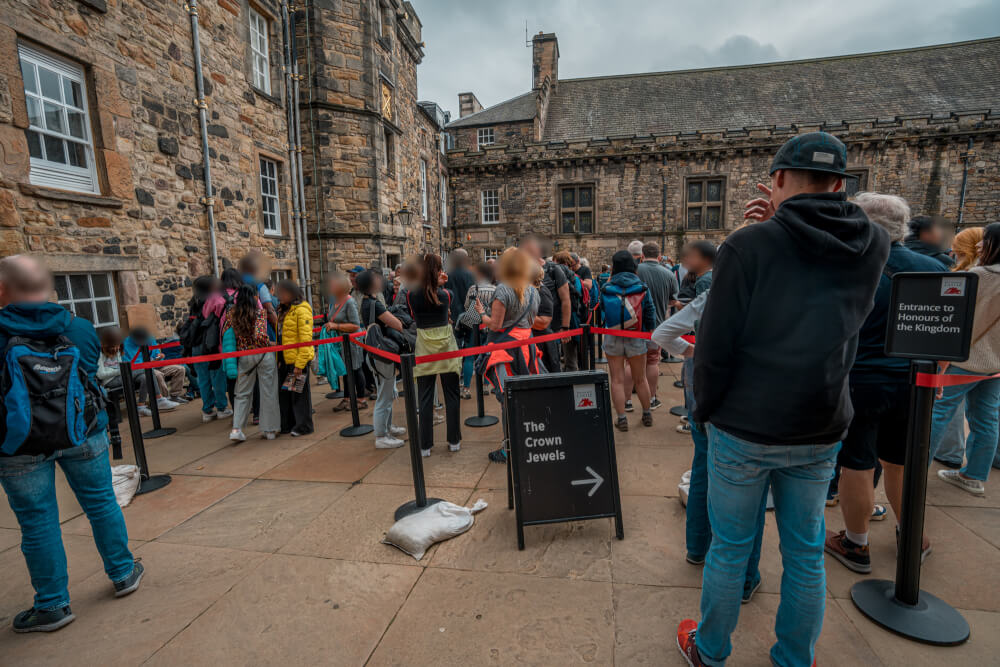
pixel 249 459
pixel 261 516
pixel 295 610
pixel 480 618
pixel 983 521
pixel 442 468
pixel 331 460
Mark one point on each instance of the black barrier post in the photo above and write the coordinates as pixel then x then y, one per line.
pixel 416 458
pixel 480 419
pixel 356 428
pixel 588 348
pixel 901 606
pixel 147 483
pixel 600 350
pixel 151 391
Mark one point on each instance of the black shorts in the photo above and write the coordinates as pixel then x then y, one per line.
pixel 878 430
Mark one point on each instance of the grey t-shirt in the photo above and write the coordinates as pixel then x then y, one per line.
pixel 662 286
pixel 514 310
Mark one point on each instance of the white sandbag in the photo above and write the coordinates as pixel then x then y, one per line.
pixel 125 480
pixel 414 534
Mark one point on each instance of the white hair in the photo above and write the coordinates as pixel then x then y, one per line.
pixel 889 211
pixel 635 247
pixel 585 262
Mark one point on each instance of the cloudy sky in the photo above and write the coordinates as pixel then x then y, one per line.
pixel 479 45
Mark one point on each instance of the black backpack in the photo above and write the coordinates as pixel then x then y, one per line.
pixel 50 403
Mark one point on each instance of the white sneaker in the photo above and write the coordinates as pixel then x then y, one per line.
pixel 425 453
pixel 236 435
pixel 268 435
pixel 454 448
pixel 224 414
pixel 144 411
pixel 397 430
pixel 973 486
pixel 388 442
pixel 438 419
pixel 208 416
pixel 164 404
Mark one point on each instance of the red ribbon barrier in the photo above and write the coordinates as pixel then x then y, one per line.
pixel 161 346
pixel 935 380
pixel 493 347
pixel 377 352
pixel 622 333
pixel 240 353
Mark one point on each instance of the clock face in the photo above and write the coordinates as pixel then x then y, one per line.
pixel 386 101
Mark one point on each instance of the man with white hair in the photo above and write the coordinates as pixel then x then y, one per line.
pixel 880 393
pixel 635 249
pixel 31 327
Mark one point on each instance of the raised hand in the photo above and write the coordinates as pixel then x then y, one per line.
pixel 760 208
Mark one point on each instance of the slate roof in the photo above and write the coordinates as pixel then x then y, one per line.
pixel 963 76
pixel 518 108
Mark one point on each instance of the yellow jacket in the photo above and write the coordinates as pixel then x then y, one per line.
pixel 297 327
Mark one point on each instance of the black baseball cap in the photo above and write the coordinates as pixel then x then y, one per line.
pixel 812 151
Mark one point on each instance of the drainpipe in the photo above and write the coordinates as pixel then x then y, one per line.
pixel 303 220
pixel 209 199
pixel 290 122
pixel 965 183
pixel 377 134
pixel 663 220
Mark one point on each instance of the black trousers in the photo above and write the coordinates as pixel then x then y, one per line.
pixel 296 408
pixel 452 408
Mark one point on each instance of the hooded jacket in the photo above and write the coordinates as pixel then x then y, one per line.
pixel 921 248
pixel 780 330
pixel 297 327
pixel 40 320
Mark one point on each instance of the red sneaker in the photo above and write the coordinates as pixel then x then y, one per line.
pixel 685 642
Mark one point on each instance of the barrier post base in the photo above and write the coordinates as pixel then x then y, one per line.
pixel 678 411
pixel 355 431
pixel 335 394
pixel 476 421
pixel 152 483
pixel 406 509
pixel 600 360
pixel 931 620
pixel 159 433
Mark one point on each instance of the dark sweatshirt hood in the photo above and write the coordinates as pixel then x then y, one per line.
pixel 827 225
pixel 45 319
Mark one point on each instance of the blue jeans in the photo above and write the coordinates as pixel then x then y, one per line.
pixel 698 527
pixel 30 484
pixel 385 381
pixel 738 477
pixel 212 385
pixel 982 400
pixel 952 445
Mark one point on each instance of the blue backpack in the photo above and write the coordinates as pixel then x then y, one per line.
pixel 623 307
pixel 48 399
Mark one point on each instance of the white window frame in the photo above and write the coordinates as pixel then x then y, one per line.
pixel 70 304
pixel 485 136
pixel 277 275
pixel 489 206
pixel 492 253
pixel 259 51
pixel 270 201
pixel 44 172
pixel 423 190
pixel 444 200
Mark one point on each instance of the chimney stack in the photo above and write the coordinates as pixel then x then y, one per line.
pixel 468 104
pixel 544 59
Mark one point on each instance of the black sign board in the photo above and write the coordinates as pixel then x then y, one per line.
pixel 562 464
pixel 930 315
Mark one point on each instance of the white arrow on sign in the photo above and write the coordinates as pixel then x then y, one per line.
pixel 595 479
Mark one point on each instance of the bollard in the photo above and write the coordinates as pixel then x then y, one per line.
pixel 147 483
pixel 588 344
pixel 151 390
pixel 480 419
pixel 416 459
pixel 901 606
pixel 356 428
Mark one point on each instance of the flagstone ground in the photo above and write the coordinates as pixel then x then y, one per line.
pixel 269 553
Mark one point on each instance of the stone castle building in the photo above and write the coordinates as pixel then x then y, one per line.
pixel 673 156
pixel 103 166
pixel 143 144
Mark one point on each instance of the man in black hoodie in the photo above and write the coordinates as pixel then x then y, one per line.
pixel 775 346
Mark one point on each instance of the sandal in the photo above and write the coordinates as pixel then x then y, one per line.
pixel 466 393
pixel 343 406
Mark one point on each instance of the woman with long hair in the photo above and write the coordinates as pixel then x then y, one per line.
pixel 512 314
pixel 430 306
pixel 247 322
pixel 982 398
pixel 965 248
pixel 295 325
pixel 210 376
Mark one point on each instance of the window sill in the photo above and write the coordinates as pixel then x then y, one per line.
pixel 70 196
pixel 276 237
pixel 273 99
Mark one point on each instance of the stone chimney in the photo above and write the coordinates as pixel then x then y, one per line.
pixel 544 59
pixel 468 104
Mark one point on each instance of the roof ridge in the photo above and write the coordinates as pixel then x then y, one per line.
pixel 494 106
pixel 777 63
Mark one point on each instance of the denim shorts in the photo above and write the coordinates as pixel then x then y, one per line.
pixel 619 346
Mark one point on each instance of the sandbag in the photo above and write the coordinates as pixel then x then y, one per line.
pixel 414 534
pixel 125 480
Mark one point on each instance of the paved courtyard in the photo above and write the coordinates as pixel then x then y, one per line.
pixel 269 553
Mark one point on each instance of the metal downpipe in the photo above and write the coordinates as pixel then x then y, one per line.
pixel 289 121
pixel 297 125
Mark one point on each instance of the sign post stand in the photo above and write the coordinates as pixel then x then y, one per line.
pixel 930 317
pixel 562 451
pixel 480 419
pixel 151 392
pixel 407 362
